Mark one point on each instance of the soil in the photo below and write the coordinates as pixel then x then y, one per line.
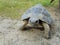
pixel 10 34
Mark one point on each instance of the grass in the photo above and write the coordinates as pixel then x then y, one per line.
pixel 15 8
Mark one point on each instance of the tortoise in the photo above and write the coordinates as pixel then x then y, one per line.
pixel 38 15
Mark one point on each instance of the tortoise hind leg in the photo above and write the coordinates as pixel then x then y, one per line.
pixel 46 31
pixel 25 22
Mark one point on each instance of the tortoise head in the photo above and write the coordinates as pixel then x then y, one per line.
pixel 34 21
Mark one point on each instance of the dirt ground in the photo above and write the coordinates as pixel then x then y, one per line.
pixel 10 34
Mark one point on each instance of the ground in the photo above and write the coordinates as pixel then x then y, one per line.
pixel 10 34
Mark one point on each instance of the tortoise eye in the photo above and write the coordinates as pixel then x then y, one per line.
pixel 36 22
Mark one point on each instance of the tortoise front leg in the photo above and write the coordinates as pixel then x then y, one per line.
pixel 46 30
pixel 25 22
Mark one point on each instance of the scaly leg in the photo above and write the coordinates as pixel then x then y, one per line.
pixel 46 30
pixel 25 22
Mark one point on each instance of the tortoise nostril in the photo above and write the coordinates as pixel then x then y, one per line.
pixel 30 20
